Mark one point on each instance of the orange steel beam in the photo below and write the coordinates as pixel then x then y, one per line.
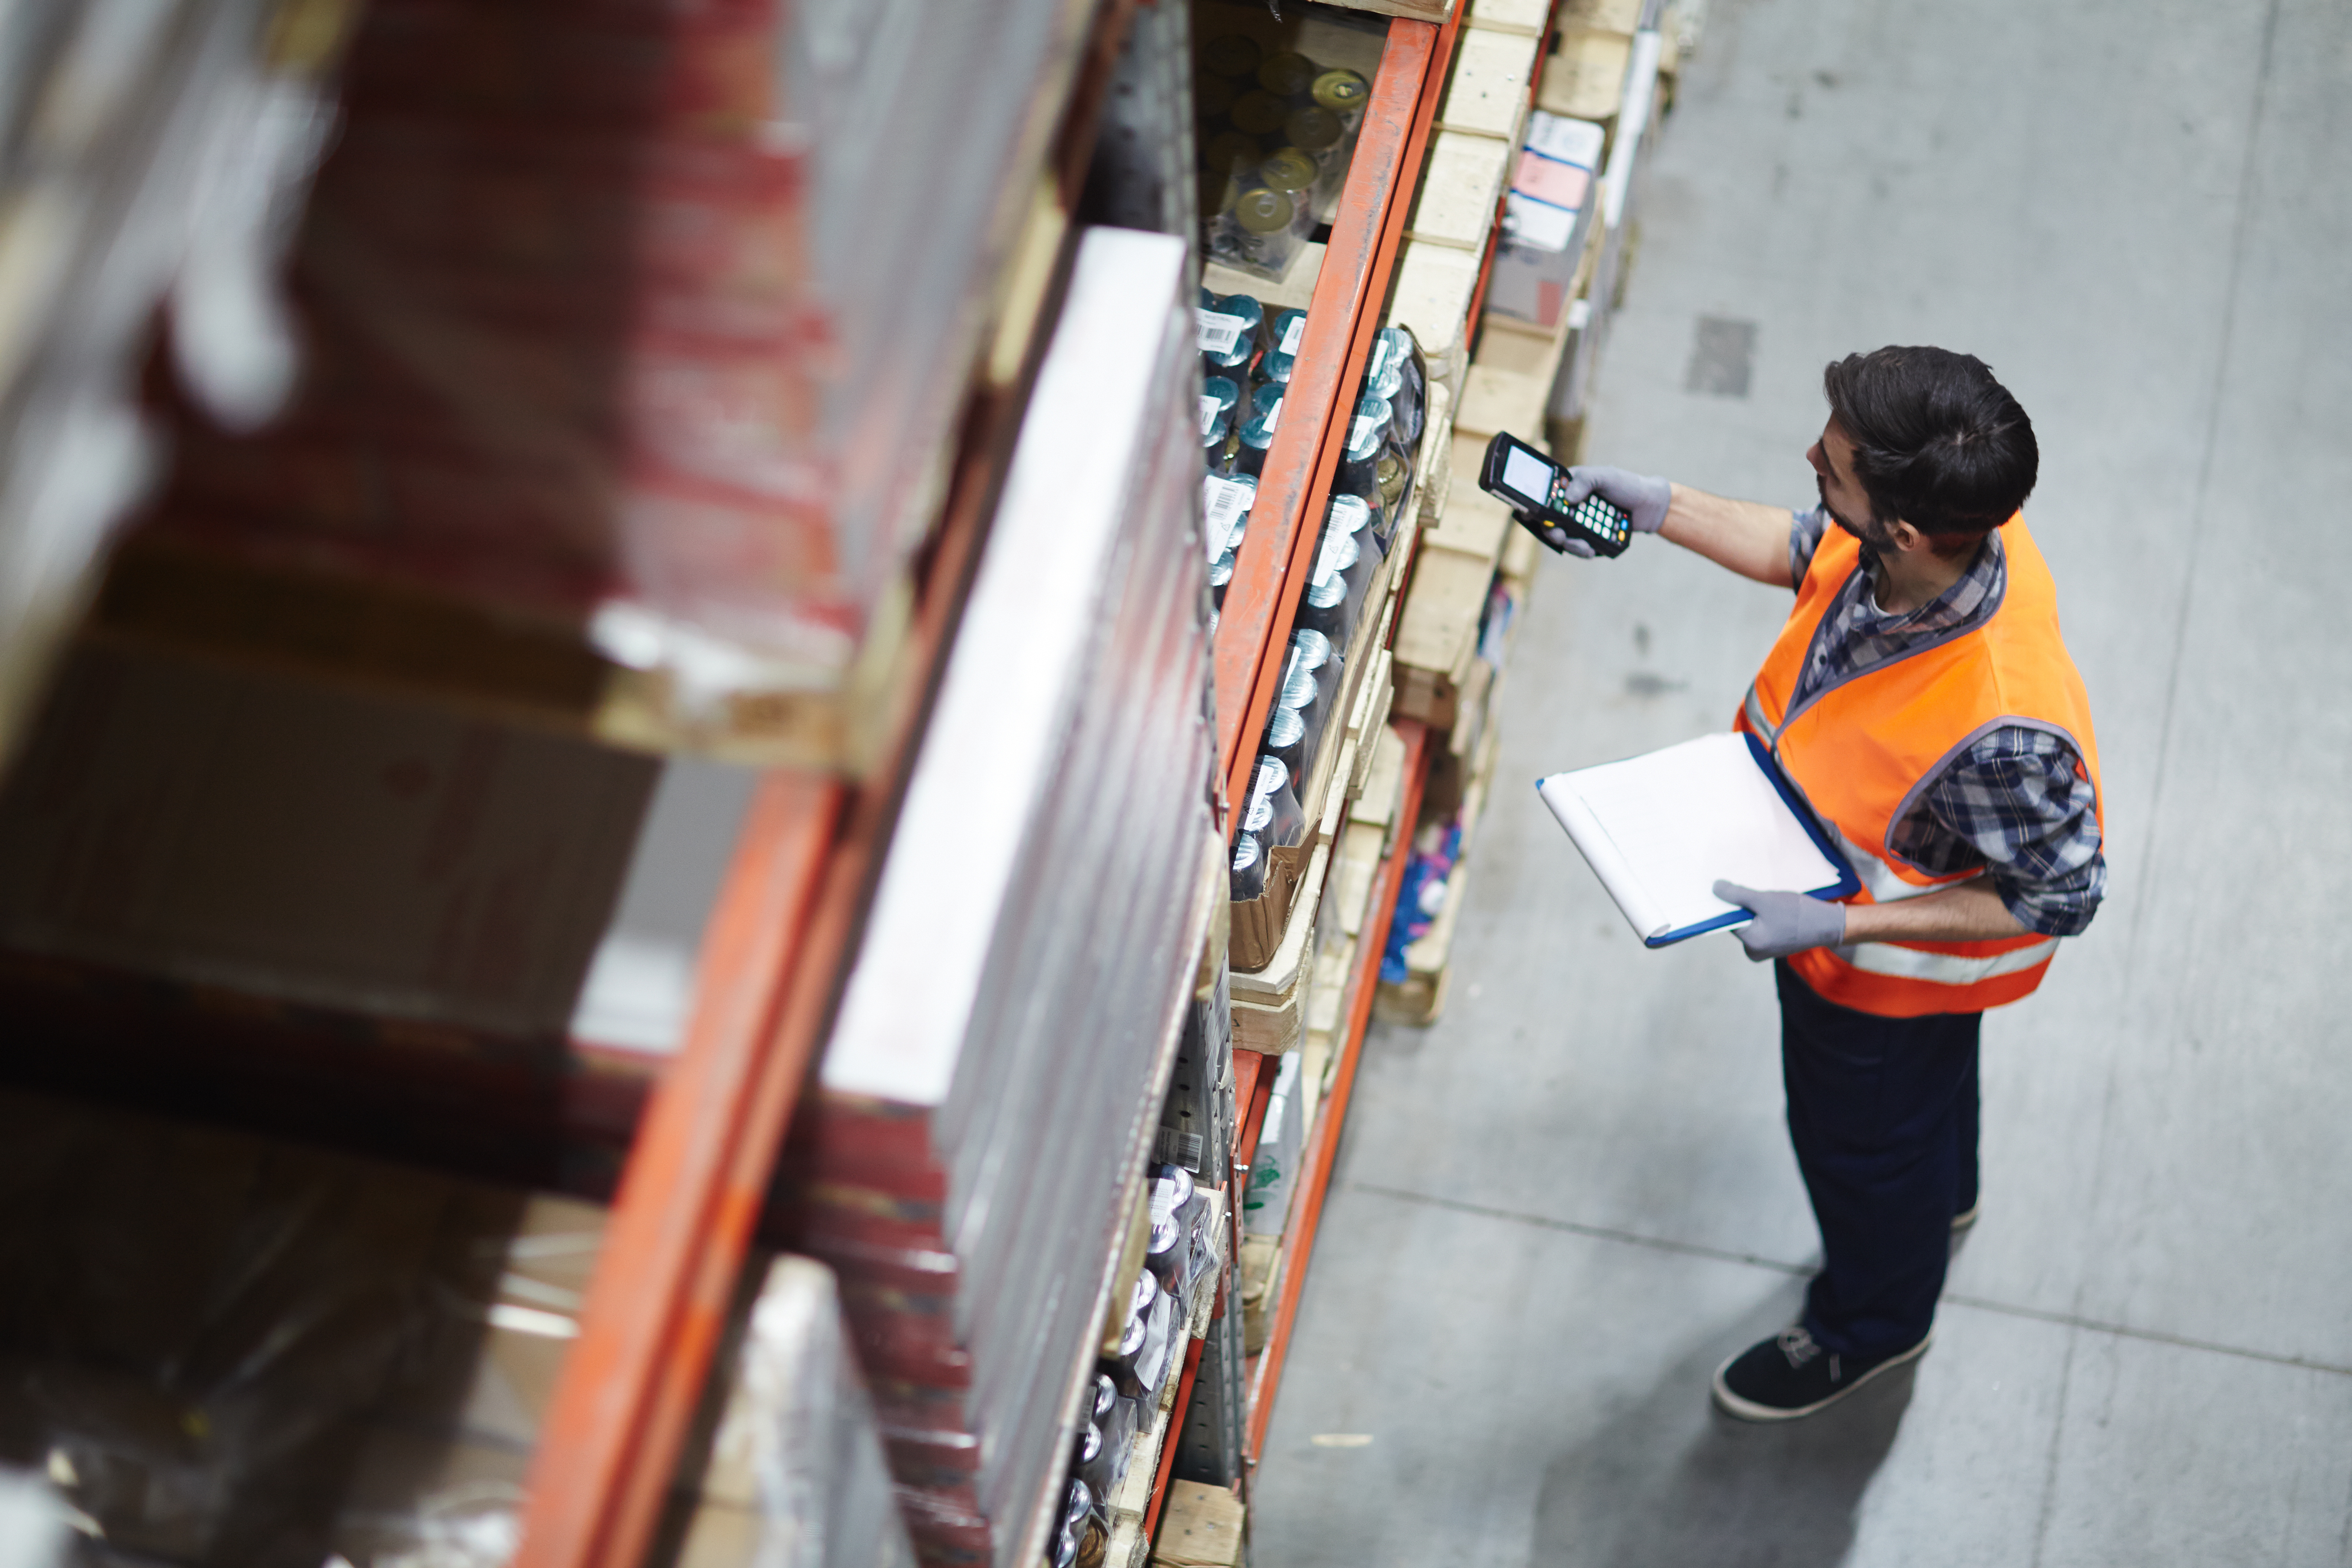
pixel 1270 570
pixel 1301 1242
pixel 682 1210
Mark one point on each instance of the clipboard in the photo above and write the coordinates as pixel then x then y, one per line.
pixel 1660 829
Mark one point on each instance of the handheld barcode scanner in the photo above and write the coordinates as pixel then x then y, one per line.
pixel 1537 490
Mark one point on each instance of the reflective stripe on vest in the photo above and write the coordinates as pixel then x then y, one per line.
pixel 1861 749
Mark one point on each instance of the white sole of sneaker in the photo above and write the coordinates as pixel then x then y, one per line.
pixel 1963 1220
pixel 1730 1404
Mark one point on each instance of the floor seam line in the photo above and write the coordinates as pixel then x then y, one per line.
pixel 1797 1270
pixel 2226 341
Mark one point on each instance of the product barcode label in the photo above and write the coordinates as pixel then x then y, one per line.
pixel 1273 416
pixel 1163 1201
pixel 1174 1148
pixel 1293 333
pixel 1209 406
pixel 1223 505
pixel 1380 348
pixel 1326 555
pixel 1362 426
pixel 1219 333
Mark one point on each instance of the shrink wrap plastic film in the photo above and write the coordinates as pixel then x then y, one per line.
pixel 650 315
pixel 992 1078
pixel 146 149
pixel 796 1477
pixel 223 1351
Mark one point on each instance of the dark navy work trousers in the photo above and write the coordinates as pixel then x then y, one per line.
pixel 1883 1112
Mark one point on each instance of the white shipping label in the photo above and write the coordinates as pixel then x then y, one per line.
pixel 1576 142
pixel 1220 333
pixel 1293 334
pixel 1223 505
pixel 1539 225
pixel 1209 406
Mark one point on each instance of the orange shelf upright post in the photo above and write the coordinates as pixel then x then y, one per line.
pixel 683 1214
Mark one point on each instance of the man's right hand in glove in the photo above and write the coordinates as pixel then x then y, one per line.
pixel 1643 497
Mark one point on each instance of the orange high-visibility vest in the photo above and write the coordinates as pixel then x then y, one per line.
pixel 1861 750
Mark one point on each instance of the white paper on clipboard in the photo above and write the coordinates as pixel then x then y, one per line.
pixel 1660 829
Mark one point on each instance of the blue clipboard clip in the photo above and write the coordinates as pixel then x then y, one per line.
pixel 1846 886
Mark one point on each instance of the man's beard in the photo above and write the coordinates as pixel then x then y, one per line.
pixel 1872 533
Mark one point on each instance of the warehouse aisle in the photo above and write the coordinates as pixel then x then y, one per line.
pixel 1560 1207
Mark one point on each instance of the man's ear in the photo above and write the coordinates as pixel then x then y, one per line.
pixel 1907 539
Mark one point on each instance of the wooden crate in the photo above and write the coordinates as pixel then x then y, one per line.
pixel 1460 190
pixel 1525 17
pixel 1431 301
pixel 1488 92
pixel 1585 77
pixel 1600 15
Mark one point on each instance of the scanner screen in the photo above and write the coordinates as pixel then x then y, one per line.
pixel 1527 474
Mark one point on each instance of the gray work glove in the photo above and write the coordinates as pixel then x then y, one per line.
pixel 1784 923
pixel 1643 497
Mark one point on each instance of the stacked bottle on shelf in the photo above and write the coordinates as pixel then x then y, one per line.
pixel 1370 493
pixel 1179 1262
pixel 1275 130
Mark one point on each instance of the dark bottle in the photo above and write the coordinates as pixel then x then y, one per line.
pixel 1286 737
pixel 1245 883
pixel 1229 326
pixel 1221 575
pixel 1359 466
pixel 1219 395
pixel 1256 435
pixel 1324 606
pixel 1285 334
pixel 1274 817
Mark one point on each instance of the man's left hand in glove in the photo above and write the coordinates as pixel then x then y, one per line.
pixel 1784 923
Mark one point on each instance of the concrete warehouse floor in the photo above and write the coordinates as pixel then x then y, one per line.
pixel 1560 1207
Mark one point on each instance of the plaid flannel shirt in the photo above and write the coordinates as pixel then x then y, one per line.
pixel 2013 803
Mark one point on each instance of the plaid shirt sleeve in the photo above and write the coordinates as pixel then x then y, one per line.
pixel 1805 532
pixel 2017 802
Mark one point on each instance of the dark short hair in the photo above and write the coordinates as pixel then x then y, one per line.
pixel 1938 442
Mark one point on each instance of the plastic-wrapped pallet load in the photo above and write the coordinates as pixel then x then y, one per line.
pixel 648 320
pixel 997 1063
pixel 218 1351
pixel 143 149
pixel 796 1477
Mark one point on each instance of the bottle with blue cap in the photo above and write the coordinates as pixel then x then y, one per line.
pixel 1257 436
pixel 1228 330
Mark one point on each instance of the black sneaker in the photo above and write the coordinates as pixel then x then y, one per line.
pixel 1789 1375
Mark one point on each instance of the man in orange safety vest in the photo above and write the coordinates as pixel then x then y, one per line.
pixel 1921 700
